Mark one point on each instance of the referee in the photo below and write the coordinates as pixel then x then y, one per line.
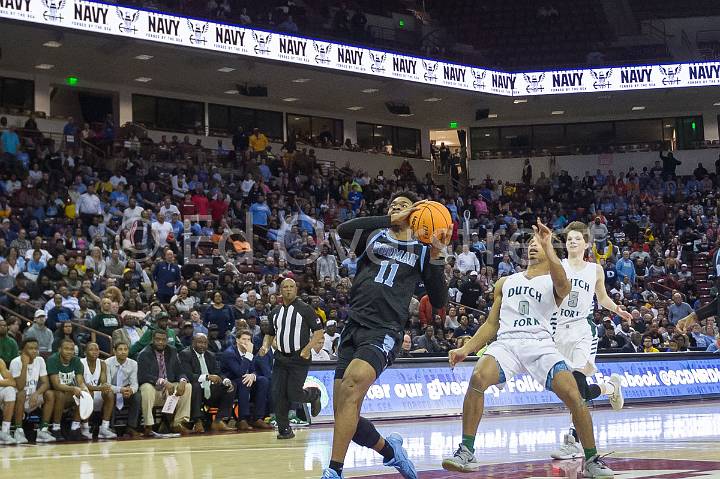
pixel 292 324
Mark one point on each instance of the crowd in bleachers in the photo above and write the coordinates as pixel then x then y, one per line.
pixel 117 256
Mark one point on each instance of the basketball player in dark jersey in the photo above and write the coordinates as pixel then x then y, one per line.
pixel 391 263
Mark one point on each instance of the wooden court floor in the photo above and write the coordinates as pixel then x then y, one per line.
pixel 674 442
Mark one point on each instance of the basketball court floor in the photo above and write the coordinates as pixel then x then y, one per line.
pixel 677 441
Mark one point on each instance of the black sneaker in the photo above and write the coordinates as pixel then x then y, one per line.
pixel 76 435
pixel 58 435
pixel 316 404
pixel 286 433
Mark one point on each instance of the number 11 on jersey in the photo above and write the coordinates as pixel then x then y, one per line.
pixel 380 277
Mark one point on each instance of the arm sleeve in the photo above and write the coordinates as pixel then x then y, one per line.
pixel 365 226
pixel 434 278
pixel 271 321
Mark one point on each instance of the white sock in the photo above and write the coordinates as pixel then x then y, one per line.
pixel 105 424
pixel 85 426
pixel 607 388
pixel 75 426
pixel 6 426
pixel 55 427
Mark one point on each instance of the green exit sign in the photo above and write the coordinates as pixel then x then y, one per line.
pixel 453 124
pixel 72 81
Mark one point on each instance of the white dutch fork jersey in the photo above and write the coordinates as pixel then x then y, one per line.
pixel 579 304
pixel 527 306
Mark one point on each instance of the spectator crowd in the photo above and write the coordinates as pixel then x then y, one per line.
pixel 152 273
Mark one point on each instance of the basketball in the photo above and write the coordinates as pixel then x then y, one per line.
pixel 432 219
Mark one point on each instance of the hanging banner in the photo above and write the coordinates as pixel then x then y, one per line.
pixel 159 27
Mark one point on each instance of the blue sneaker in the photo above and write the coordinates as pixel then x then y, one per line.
pixel 330 474
pixel 401 461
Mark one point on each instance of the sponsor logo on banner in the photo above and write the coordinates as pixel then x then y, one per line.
pixel 564 82
pixel 350 58
pixel 502 83
pixel 430 69
pixel 127 20
pixel 197 32
pixel 671 75
pixel 230 39
pixel 53 10
pixel 91 15
pixel 16 8
pixel 602 79
pixel 377 62
pixel 454 76
pixel 478 78
pixel 293 49
pixel 323 52
pixel 704 74
pixel 636 77
pixel 164 28
pixel 534 82
pixel 404 68
pixel 262 42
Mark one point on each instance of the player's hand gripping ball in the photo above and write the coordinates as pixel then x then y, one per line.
pixel 431 220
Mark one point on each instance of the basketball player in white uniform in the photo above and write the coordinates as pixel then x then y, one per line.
pixel 574 330
pixel 103 397
pixel 520 319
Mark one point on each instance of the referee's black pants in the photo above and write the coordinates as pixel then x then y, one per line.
pixel 288 377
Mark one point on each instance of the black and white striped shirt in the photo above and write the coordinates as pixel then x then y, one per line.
pixel 292 325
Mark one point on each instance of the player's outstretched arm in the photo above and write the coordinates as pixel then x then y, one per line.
pixel 603 298
pixel 486 333
pixel 365 225
pixel 561 285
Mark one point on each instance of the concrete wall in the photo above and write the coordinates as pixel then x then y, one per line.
pixel 510 169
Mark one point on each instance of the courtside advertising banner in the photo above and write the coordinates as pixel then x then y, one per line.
pixel 159 27
pixel 435 389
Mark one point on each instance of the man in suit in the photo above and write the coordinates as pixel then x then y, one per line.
pixel 238 366
pixel 634 345
pixel 129 333
pixel 160 375
pixel 202 370
pixel 122 374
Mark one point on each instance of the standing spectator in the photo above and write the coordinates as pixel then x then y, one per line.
pixel 122 374
pixel 8 346
pixel 202 370
pixel 678 309
pixel 358 23
pixel 220 315
pixel 238 365
pixel 10 142
pixel 293 357
pixel 467 261
pixel 350 264
pixel 66 379
pixel 160 375
pixel 625 267
pixel 258 142
pixel 40 332
pixel 260 212
pixel 33 391
pixel 167 276
pixel 327 266
pixel 599 233
pixel 88 206
pixel 161 229
pixel 240 139
pixel 527 172
pixel 669 165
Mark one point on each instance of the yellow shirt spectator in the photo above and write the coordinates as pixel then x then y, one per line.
pixel 258 141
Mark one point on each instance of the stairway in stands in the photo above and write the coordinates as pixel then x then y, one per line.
pixel 700 270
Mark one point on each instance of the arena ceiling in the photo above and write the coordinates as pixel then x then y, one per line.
pixel 102 60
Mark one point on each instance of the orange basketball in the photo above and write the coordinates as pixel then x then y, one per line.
pixel 432 219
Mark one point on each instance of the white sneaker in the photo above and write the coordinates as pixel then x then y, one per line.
pixel 86 433
pixel 45 436
pixel 7 439
pixel 106 433
pixel 20 436
pixel 570 449
pixel 462 461
pixel 617 401
pixel 595 468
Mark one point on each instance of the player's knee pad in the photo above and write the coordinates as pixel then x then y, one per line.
pixel 366 435
pixel 582 384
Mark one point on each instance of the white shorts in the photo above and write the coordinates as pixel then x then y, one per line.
pixel 537 357
pixel 7 394
pixel 578 343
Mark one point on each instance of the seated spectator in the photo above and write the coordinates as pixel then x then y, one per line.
pixel 105 322
pixel 161 324
pixel 183 301
pixel 67 381
pixel 611 340
pixel 58 314
pixel 317 352
pixel 8 345
pixel 187 334
pixel 96 379
pixel 427 342
pixel 220 315
pixel 122 375
pixel 160 375
pixel 66 330
pixel 648 345
pixel 678 309
pixel 238 365
pixel 209 388
pixel 697 338
pixel 33 391
pixel 40 332
pixel 331 338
